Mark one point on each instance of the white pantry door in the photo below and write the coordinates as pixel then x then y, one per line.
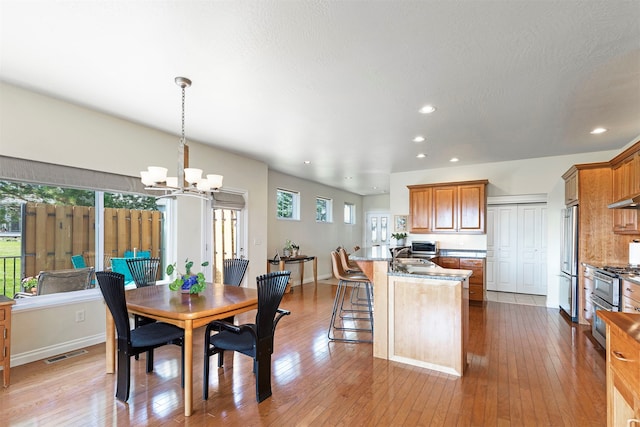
pixel 532 249
pixel 502 247
pixel 517 248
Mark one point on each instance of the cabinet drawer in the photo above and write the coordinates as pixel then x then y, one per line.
pixel 631 290
pixel 630 305
pixel 625 352
pixel 448 262
pixel 471 263
pixel 476 292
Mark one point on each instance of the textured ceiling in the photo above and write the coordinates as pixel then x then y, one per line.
pixel 340 83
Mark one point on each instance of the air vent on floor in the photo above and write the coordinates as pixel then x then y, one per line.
pixel 64 356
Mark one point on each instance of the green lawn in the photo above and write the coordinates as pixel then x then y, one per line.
pixel 9 248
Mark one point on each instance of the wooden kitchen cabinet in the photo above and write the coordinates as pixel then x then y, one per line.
pixel 630 297
pixel 477 287
pixel 455 207
pixel 571 187
pixel 623 368
pixel 5 337
pixel 626 183
pixel 476 280
pixel 420 210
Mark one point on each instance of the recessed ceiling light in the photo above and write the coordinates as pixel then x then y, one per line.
pixel 307 162
pixel 348 177
pixel 374 187
pixel 421 156
pixel 598 131
pixel 427 109
pixel 454 159
pixel 418 138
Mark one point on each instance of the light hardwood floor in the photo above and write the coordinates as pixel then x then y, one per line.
pixel 528 366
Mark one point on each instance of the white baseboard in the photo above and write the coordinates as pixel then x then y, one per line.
pixel 54 350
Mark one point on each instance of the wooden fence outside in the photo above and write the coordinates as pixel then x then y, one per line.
pixel 54 233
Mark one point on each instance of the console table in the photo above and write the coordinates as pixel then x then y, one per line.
pixel 301 259
pixel 5 337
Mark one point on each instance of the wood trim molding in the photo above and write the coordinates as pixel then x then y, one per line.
pixel 517 199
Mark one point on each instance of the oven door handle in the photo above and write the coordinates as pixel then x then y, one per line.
pixel 596 301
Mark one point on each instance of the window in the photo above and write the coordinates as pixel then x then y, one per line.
pixel 349 213
pixel 288 204
pixel 324 209
pixel 48 228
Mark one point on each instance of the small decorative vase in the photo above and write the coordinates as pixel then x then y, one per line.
pixel 286 253
pixel 188 283
pixel 400 242
pixel 295 253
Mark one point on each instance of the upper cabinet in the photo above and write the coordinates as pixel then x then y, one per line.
pixel 626 183
pixel 455 207
pixel 420 210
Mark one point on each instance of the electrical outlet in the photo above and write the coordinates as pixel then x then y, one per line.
pixel 80 316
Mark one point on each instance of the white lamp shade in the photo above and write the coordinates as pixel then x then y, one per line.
pixel 203 185
pixel 157 173
pixel 145 177
pixel 192 175
pixel 172 181
pixel 215 181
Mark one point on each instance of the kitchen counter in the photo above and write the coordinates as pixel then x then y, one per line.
pixel 420 310
pixel 463 253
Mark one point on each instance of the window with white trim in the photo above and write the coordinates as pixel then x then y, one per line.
pixel 287 204
pixel 324 209
pixel 349 213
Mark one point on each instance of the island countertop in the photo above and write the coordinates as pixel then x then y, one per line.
pixel 372 253
pixel 418 270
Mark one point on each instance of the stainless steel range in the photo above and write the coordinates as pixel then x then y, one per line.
pixel 606 295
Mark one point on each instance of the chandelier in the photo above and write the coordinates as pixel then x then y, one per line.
pixel 189 181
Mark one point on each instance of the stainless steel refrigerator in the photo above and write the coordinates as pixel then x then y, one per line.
pixel 569 263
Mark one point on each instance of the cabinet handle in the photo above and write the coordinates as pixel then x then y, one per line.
pixel 620 356
pixel 630 290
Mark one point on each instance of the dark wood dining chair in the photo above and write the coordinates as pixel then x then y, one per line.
pixel 144 272
pixel 139 340
pixel 252 339
pixel 234 271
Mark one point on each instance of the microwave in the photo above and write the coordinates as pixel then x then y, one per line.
pixel 424 248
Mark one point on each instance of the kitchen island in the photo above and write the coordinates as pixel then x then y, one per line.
pixel 420 311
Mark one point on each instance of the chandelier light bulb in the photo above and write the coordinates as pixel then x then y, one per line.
pixel 192 175
pixel 215 181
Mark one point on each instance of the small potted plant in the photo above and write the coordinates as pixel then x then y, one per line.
pixel 189 282
pixel 295 250
pixel 288 249
pixel 30 284
pixel 400 237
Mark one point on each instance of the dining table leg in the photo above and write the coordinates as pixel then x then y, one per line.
pixel 315 270
pixel 110 343
pixel 188 367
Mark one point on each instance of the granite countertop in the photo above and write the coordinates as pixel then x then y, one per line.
pixel 427 272
pixel 463 253
pixel 373 253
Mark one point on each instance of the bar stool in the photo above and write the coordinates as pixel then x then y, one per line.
pixel 349 318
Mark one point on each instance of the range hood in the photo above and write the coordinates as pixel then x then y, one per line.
pixel 632 202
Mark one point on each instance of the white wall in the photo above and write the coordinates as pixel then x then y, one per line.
pixel 314 238
pixel 531 176
pixel 37 127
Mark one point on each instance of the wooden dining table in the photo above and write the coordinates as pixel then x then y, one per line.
pixel 185 311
